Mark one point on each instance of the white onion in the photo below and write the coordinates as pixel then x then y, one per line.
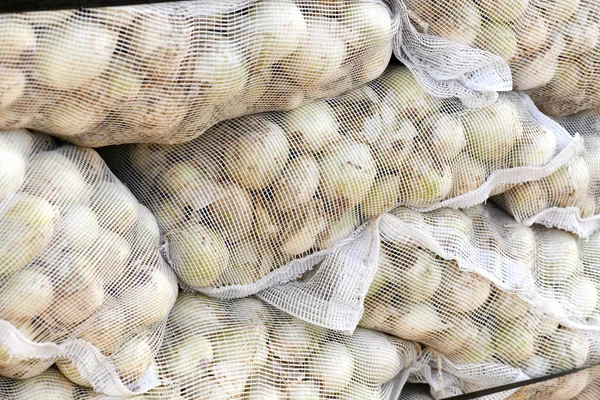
pixel 292 341
pixel 68 369
pixel 425 182
pixel 312 127
pixel 421 321
pixel 469 174
pixel 78 227
pixel 558 257
pixel 115 207
pixel 569 184
pixel 232 213
pixel 526 200
pixel 405 98
pixel 111 253
pixel 75 308
pixel 256 159
pixel 538 69
pixel 462 25
pixel 50 384
pixel 304 390
pixel 498 39
pixel 376 359
pixel 333 365
pixel 12 172
pixel 534 151
pixel 382 197
pixel 298 183
pixel 107 329
pixel 149 303
pixel 27 293
pixel 583 295
pixel 188 358
pixel 514 343
pixel 395 147
pixel 302 227
pixel 446 134
pixel 133 358
pixel 339 230
pixel 464 291
pixel 505 11
pixel 12 86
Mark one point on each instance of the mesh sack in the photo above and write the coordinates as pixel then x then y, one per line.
pixel 164 73
pixel 551 46
pixel 82 281
pixel 243 348
pixel 258 200
pixel 568 199
pixel 495 300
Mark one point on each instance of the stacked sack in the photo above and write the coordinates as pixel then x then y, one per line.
pixel 494 302
pixel 551 46
pixel 83 284
pixel 568 199
pixel 217 349
pixel 258 200
pixel 164 73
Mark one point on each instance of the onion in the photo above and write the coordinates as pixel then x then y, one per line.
pixel 371 65
pixel 293 341
pixel 12 171
pixel 147 234
pixel 110 256
pixel 56 178
pixel 534 151
pixel 533 31
pixel 304 390
pixel 302 228
pixel 107 329
pixel 469 174
pixel 148 303
pixel 557 257
pixel 462 25
pixel 425 183
pixel 313 62
pixel 244 263
pixel 559 11
pixel 28 223
pixel 509 306
pixel 12 86
pixel 256 159
pixel 514 343
pixel 17 35
pixel 581 38
pixel 566 350
pixel 498 39
pixel 70 371
pixel 78 227
pixel 405 97
pixel 219 70
pixel 536 366
pixel 477 350
pixel 526 200
pixel 583 295
pixel 266 226
pixel 195 314
pixel 231 377
pixel 537 70
pixel 312 127
pixel 382 197
pixel 446 134
pixel 199 255
pixel 460 335
pixel 347 173
pixel 188 359
pixel 71 272
pixel 298 183
pixel 420 323
pixel 133 358
pixel 232 213
pixel 492 131
pixel 333 365
pixel 339 230
pixel 124 82
pixel 115 206
pixel 371 22
pixel 71 117
pixel 569 184
pixel 464 291
pixel 393 149
pixel 507 11
pixel 278 28
pixel 27 293
pixel 50 384
pixel 75 55
pixel 25 369
pixel 377 360
pixel 75 308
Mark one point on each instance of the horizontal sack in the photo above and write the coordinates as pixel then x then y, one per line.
pixel 568 199
pixel 221 350
pixel 164 73
pixel 258 200
pixel 83 283
pixel 551 46
pixel 492 299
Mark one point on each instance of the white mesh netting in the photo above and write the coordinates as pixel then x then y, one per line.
pixel 568 199
pixel 257 193
pixel 164 73
pixel 551 46
pixel 494 302
pixel 245 349
pixel 82 281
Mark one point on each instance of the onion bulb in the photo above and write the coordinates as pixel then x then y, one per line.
pixel 396 146
pixel 199 255
pixel 312 127
pixel 538 69
pixel 583 296
pixel 78 227
pixel 50 384
pixel 256 159
pixel 569 184
pixel 115 206
pixel 525 200
pixel 107 329
pixel 446 134
pixel 498 39
pixel 465 291
pixel 514 343
pixel 377 360
pixel 133 358
pixel 12 171
pixel 232 213
pixel 419 323
pixel 17 35
pixel 506 11
pixel 461 25
pixel 148 302
pixel 333 365
pixel 189 358
pixel 76 307
pixel 382 197
pixel 70 371
pixel 297 185
pixel 535 149
pixel 12 86
pixel 27 293
pixel 425 182
pixel 293 341
pixel 557 257
pixel 469 174
pixel 339 229
pixel 302 228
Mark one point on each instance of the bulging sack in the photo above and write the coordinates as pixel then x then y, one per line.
pixel 551 46
pixel 568 199
pixel 257 193
pixel 216 349
pixel 164 73
pixel 497 303
pixel 83 283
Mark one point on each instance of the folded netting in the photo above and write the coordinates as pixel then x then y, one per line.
pixel 245 349
pixel 568 199
pixel 258 200
pixel 495 302
pixel 164 73
pixel 551 46
pixel 82 280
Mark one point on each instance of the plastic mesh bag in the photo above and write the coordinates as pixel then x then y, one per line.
pixel 495 301
pixel 259 192
pixel 83 283
pixel 164 73
pixel 551 46
pixel 568 199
